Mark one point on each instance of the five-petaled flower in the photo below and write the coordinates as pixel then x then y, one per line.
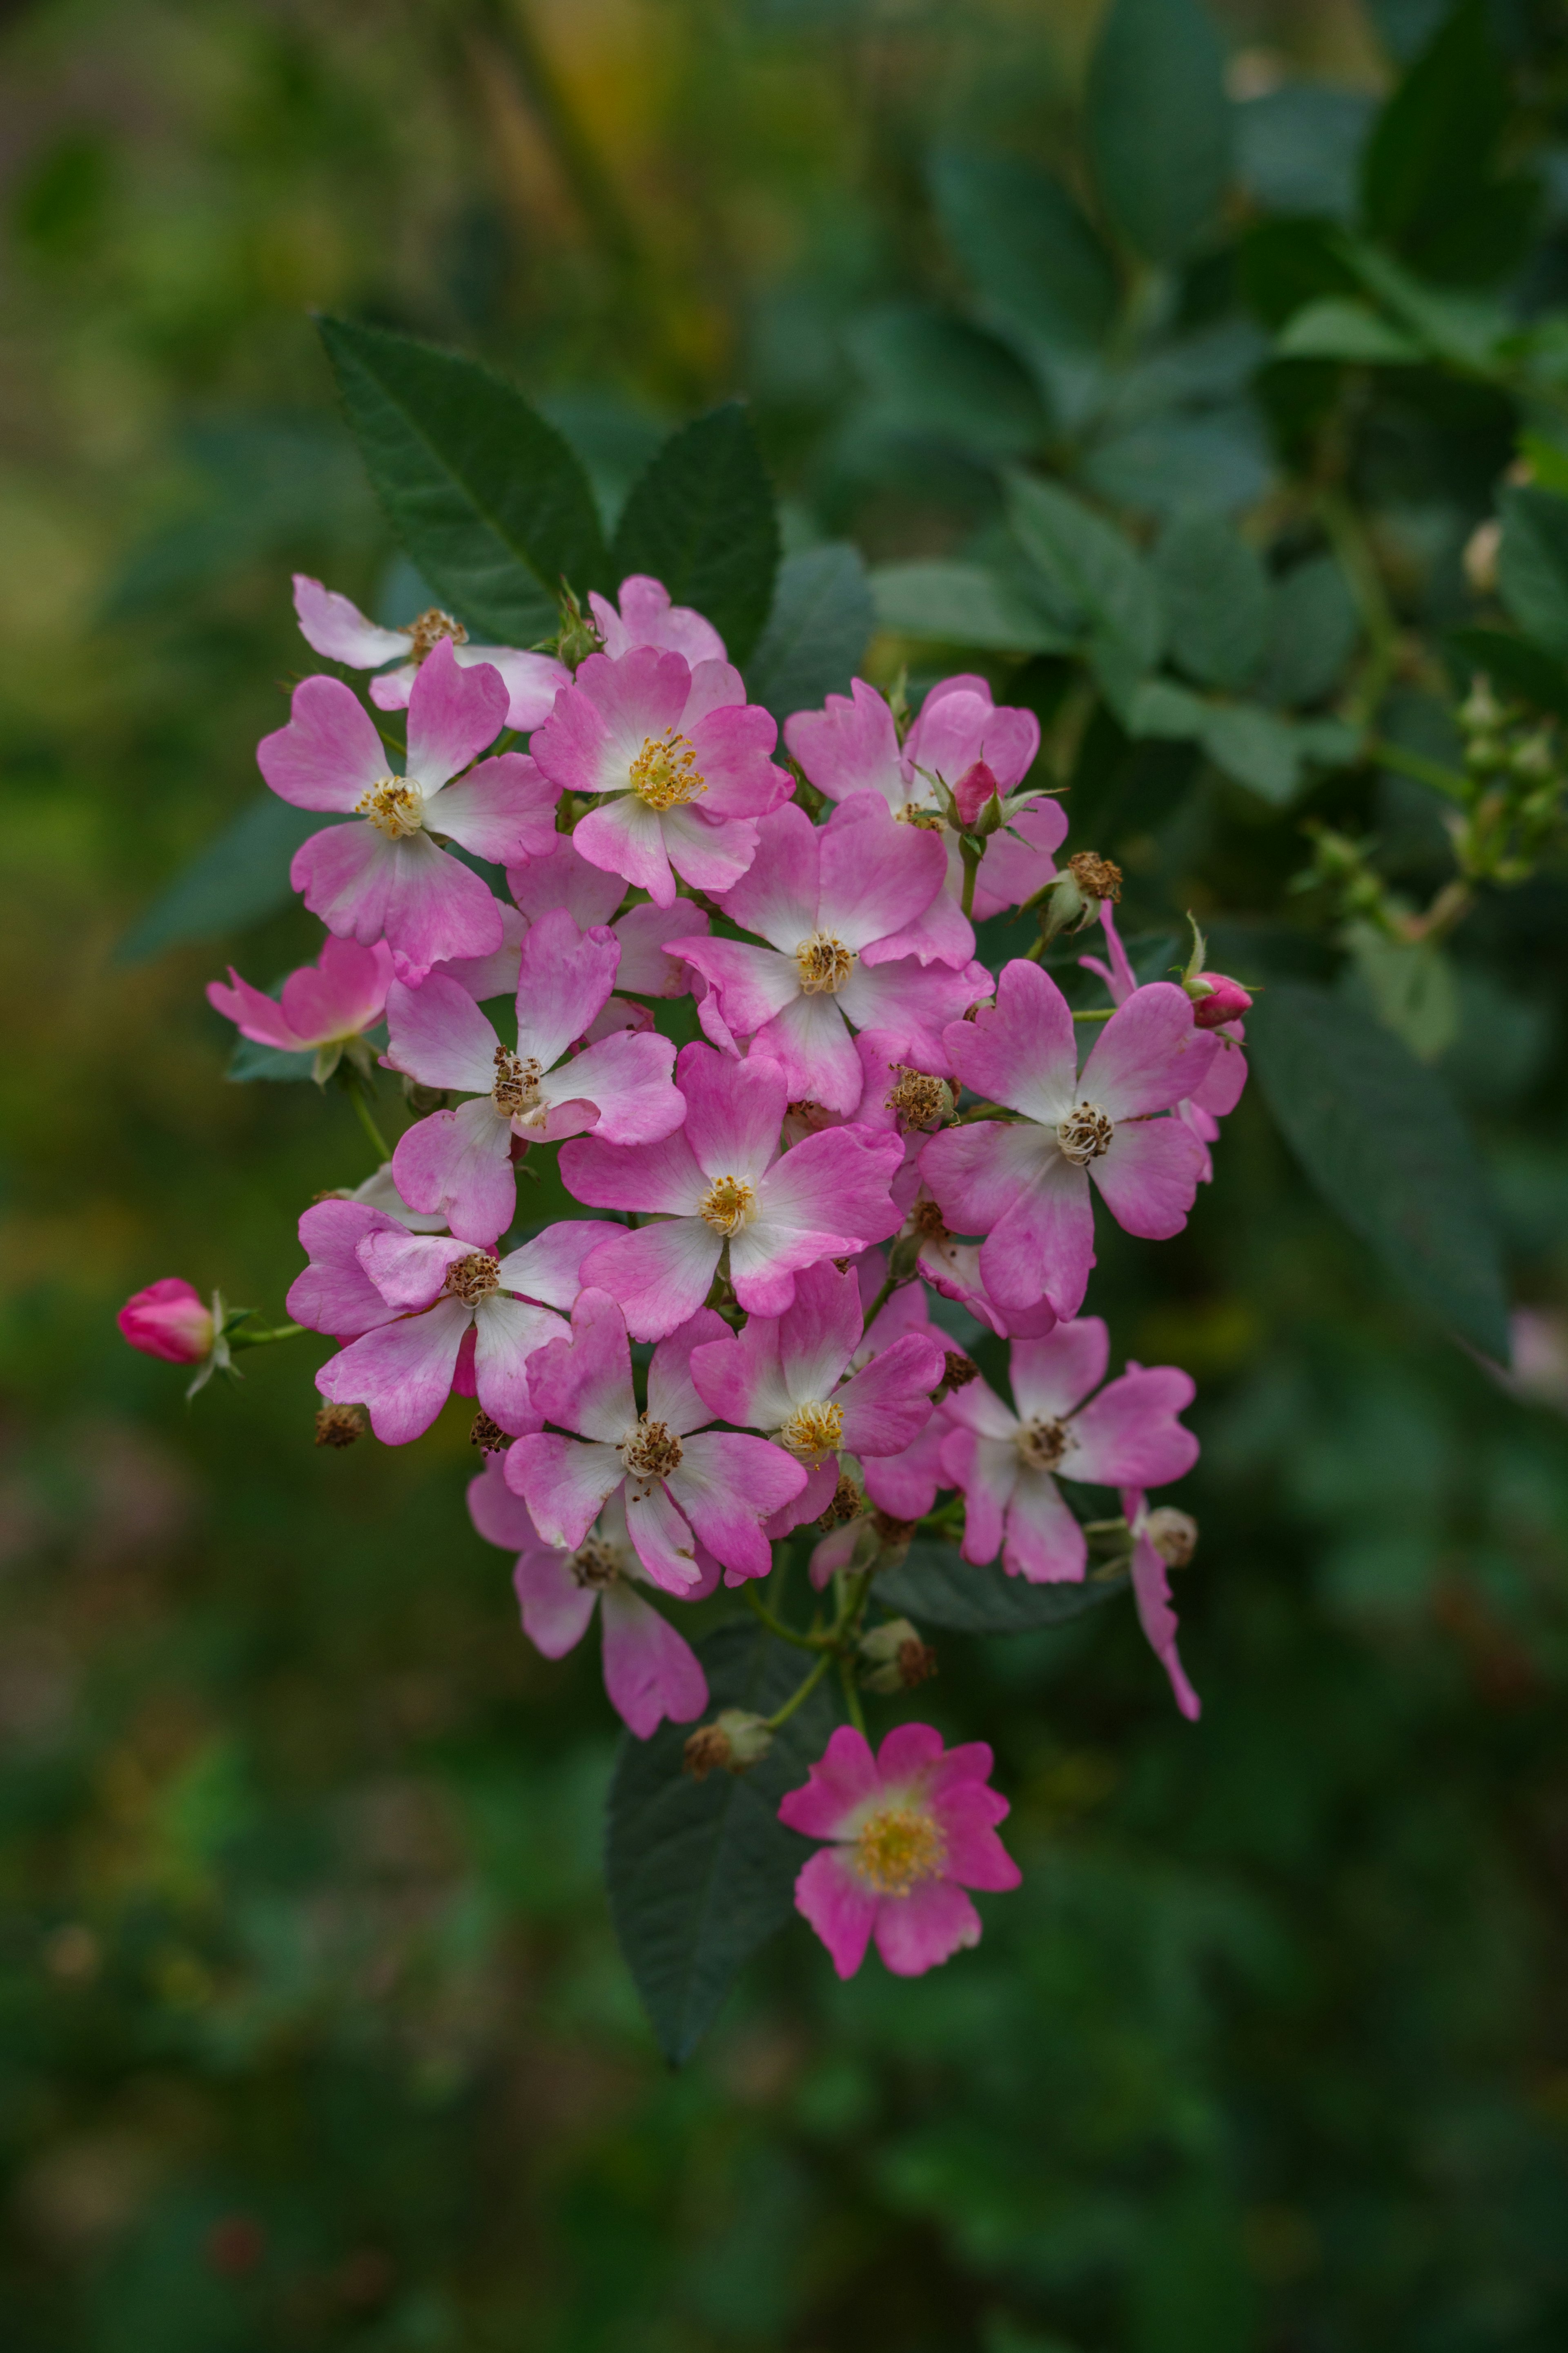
pixel 1218 1091
pixel 321 1008
pixel 335 627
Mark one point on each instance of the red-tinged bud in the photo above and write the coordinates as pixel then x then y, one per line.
pixel 973 790
pixel 1216 999
pixel 168 1320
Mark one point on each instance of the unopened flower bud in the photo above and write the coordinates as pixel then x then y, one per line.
pixel 896 1657
pixel 973 790
pixel 340 1425
pixel 1480 714
pixel 1480 558
pixel 1173 1534
pixel 1532 759
pixel 169 1320
pixel 1216 999
pixel 734 1743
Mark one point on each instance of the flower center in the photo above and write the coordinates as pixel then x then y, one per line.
pixel 516 1088
pixel 814 1429
pixel 650 1450
pixel 394 805
pixel 919 813
pixel 826 963
pixel 729 1203
pixel 432 626
pixel 898 1848
pixel 919 1099
pixel 473 1278
pixel 665 772
pixel 1042 1444
pixel 1085 1133
pixel 595 1565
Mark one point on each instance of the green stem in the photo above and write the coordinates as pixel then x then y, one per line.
pixel 851 1696
pixel 243 1339
pixel 894 1282
pixel 782 1715
pixel 1101 1013
pixel 759 1609
pixel 1447 781
pixel 354 1088
pixel 1351 545
pixel 971 858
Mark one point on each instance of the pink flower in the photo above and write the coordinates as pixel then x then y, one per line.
pixel 647 617
pixel 852 746
pixel 335 1295
pixel 168 1320
pixel 682 1485
pixel 656 737
pixel 1004 1460
pixel 1218 1091
pixel 953 1270
pixel 720 1182
pixel 649 1670
pixel 563 878
pixel 324 1004
pixel 339 630
pixel 386 878
pixel 1152 1591
pixel 440 1290
pixel 790 1376
pixel 833 902
pixel 911 1829
pixel 1026 1186
pixel 460 1160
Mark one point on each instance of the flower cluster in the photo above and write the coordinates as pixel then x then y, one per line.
pixel 611 940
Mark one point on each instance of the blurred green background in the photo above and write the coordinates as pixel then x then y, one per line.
pixel 312 2031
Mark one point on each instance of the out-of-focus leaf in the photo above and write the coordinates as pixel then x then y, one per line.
pixel 1379 1137
pixel 816 632
pixel 1429 186
pixel 1313 630
pixel 1217 599
pixel 702 518
pixel 1337 328
pixel 235 880
pixel 1298 148
pixel 1256 747
pixel 1411 987
pixel 1091 577
pixel 1532 564
pixel 1467 330
pixel 250 1060
pixel 701 1872
pixel 1159 123
pixel 1218 458
pixel 936 1587
pixel 1514 665
pixel 490 502
pixel 1284 265
pixel 1025 247
pixel 932 373
pixel 961 605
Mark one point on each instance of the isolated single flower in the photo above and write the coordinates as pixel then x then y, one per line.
pixel 680 759
pixel 644 617
pixel 1025 1186
pixel 460 1160
pixel 323 1004
pixel 386 878
pixel 680 1483
pixel 831 901
pixel 1007 1461
pixel 337 627
pixel 911 1828
pixel 720 1184
pixel 651 1670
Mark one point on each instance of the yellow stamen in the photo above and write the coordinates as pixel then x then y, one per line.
pixel 826 963
pixel 665 772
pixel 394 805
pixel 897 1849
pixel 814 1429
pixel 729 1203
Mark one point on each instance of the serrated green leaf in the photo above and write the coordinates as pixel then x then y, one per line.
pixel 491 504
pixel 1025 247
pixel 236 880
pixel 1338 328
pixel 1159 123
pixel 821 621
pixel 935 1587
pixel 702 518
pixel 1378 1135
pixel 1532 564
pixel 1091 579
pixel 701 1872
pixel 1217 599
pixel 961 605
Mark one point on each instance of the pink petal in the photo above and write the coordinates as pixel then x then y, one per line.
pixel 661 1539
pixel 777 896
pixel 329 752
pixel 651 1673
pixel 556 1610
pixel 1018 861
pixel 816 1052
pixel 850 746
pixel 1151 1590
pixel 727 1484
pixel 840 1906
pixel 905 1485
pixel 733 1112
pixel 425 906
pixel 458 1163
pixel 912 1004
pixel 835 1181
pixel 565 977
pixel 753 982
pixel 494 975
pixel 436 1034
pixel 1149 1176
pixel 532 681
pixel 961 727
pixel 919 1931
pixel 503 810
pixel 1043 1544
pixel 875 874
pixel 731 743
pixel 1128 1434
pixel 585 1384
pixel 738 1376
pixel 549 1267
pixel 976 1173
pixel 886 1404
pixel 819 1332
pixel 331 625
pixel 1118 976
pixel 672 1394
pixel 401 1373
pixel 821 1485
pixel 508 1334
pixel 647 617
pixel 1149 1055
pixel 626 1078
pixel 1044 1243
pixel 559 876
pixel 844 1779
pixel 452 715
pixel 1021 1052
pixel 662 1176
pixel 626 838
pixel 986 1470
pixel 1051 1376
pixel 660 1275
pixel 334 1293
pixel 254 1015
pixel 342 993
pixel 408 1270
pixel 711 853
pixel 646 969
pixel 1219 1090
pixel 501 1517
pixel 564 1483
pixel 977 1407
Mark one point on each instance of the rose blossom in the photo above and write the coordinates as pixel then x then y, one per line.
pixel 386 878
pixel 323 1004
pixel 336 627
pixel 1004 1460
pixel 682 1484
pixel 911 1828
pixel 647 617
pixel 651 1670
pixel 1026 1186
pixel 1218 1091
pixel 720 1182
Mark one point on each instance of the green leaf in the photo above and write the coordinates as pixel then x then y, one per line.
pixel 934 373
pixel 1410 985
pixel 936 1587
pixel 1467 330
pixel 1217 599
pixel 1312 631
pixel 1429 186
pixel 1256 747
pixel 1159 123
pixel 1379 1137
pixel 1532 564
pixel 1091 579
pixel 1515 666
pixel 490 502
pixel 1217 457
pixel 701 1872
pixel 702 520
pixel 1299 146
pixel 1025 247
pixel 1337 328
pixel 250 1060
pixel 235 881
pixel 961 605
pixel 818 629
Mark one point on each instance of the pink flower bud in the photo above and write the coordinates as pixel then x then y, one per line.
pixel 972 792
pixel 1216 999
pixel 168 1320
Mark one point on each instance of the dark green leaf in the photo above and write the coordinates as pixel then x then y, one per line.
pixel 962 604
pixel 936 1587
pixel 818 629
pixel 235 880
pixel 1217 599
pixel 1219 458
pixel 1429 187
pixel 1298 148
pixel 1159 123
pixel 491 504
pixel 1515 667
pixel 1379 1137
pixel 701 1872
pixel 1313 630
pixel 1025 247
pixel 1090 579
pixel 934 373
pixel 702 520
pixel 1532 564
pixel 250 1060
pixel 1256 747
pixel 1339 328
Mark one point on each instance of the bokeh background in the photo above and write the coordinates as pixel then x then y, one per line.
pixel 312 2031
